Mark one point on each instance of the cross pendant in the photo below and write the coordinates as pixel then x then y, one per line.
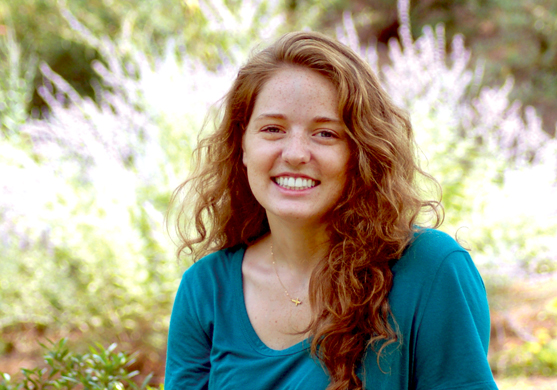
pixel 296 301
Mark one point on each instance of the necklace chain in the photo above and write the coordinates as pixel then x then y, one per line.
pixel 295 301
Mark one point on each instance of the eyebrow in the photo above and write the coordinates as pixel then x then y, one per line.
pixel 318 119
pixel 324 119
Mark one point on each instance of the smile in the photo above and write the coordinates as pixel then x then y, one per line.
pixel 291 183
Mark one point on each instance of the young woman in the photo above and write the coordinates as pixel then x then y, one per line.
pixel 316 275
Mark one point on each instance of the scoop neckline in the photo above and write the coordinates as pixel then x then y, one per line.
pixel 251 336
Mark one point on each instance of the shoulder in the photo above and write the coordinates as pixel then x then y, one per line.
pixel 431 242
pixel 206 282
pixel 433 267
pixel 216 263
pixel 212 272
pixel 433 274
pixel 429 251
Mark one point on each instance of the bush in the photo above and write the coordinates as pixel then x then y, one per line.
pixel 99 369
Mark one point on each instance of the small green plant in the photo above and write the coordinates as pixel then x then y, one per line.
pixel 100 368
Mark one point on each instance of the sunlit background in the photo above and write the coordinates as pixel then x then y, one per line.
pixel 101 104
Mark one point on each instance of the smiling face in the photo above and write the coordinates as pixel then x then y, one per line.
pixel 295 147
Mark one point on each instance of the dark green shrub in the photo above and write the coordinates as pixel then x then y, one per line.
pixel 100 368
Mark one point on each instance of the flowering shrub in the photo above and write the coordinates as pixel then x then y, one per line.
pixel 498 171
pixel 81 219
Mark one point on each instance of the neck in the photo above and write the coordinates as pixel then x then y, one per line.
pixel 297 247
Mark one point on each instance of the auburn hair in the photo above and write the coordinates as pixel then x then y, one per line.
pixel 370 226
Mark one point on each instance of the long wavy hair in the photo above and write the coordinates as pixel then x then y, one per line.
pixel 370 226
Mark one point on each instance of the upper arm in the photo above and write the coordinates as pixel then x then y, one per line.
pixel 189 343
pixel 453 332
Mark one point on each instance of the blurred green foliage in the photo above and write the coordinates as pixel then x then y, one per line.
pixel 536 357
pixel 16 85
pixel 42 31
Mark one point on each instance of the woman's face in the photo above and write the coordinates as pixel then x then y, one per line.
pixel 295 147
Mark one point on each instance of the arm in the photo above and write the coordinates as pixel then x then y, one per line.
pixel 189 344
pixel 453 331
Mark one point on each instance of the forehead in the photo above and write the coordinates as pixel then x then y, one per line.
pixel 297 89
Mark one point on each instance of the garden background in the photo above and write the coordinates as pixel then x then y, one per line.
pixel 101 103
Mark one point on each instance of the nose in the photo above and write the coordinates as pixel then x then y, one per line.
pixel 296 149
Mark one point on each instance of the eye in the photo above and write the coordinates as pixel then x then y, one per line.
pixel 271 129
pixel 326 134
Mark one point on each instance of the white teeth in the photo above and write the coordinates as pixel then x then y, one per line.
pixel 298 183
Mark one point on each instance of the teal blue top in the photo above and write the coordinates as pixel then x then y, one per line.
pixel 438 300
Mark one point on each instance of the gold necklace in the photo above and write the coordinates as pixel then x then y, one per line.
pixel 295 301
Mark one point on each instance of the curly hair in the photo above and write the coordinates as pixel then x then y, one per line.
pixel 370 227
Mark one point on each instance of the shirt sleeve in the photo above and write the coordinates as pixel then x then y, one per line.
pixel 453 331
pixel 189 343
